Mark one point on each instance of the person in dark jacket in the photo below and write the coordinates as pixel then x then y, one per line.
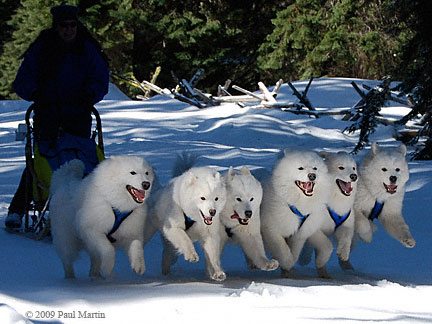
pixel 64 72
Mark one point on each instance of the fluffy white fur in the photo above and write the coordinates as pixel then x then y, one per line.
pixel 199 194
pixel 299 179
pixel 81 212
pixel 343 179
pixel 383 175
pixel 240 218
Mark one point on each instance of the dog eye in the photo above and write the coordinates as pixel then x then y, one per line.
pixel 301 168
pixel 314 168
pixel 203 198
pixel 384 169
pixel 251 199
pixel 217 198
pixel 341 168
pixel 147 173
pixel 133 172
pixel 397 169
pixel 238 199
pixel 354 168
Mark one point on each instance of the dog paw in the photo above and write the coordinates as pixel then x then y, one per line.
pixel 286 274
pixel 343 254
pixel 409 242
pixel 251 265
pixel 271 265
pixel 345 264
pixel 166 269
pixel 322 273
pixel 218 276
pixel 192 257
pixel 138 266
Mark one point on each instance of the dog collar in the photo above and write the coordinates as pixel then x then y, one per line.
pixel 300 215
pixel 188 221
pixel 376 210
pixel 119 218
pixel 338 219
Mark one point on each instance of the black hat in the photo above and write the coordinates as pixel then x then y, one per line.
pixel 64 12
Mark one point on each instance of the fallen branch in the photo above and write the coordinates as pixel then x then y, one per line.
pixel 303 96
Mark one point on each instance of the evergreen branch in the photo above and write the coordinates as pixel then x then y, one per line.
pixel 374 100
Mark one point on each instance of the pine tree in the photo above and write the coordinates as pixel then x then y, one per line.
pixel 112 24
pixel 415 69
pixel 221 37
pixel 313 38
pixel 7 9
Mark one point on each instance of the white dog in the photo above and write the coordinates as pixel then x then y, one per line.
pixel 187 210
pixel 100 213
pixel 294 204
pixel 340 221
pixel 240 218
pixel 381 189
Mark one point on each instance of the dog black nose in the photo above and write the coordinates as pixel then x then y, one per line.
pixel 248 213
pixel 145 185
pixel 312 176
pixel 393 179
pixel 212 212
pixel 353 177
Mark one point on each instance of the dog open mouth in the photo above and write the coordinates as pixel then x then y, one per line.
pixel 391 189
pixel 344 187
pixel 307 187
pixel 242 221
pixel 207 220
pixel 137 195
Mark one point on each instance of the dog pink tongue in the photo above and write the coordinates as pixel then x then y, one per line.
pixel 139 194
pixel 347 187
pixel 308 187
pixel 235 216
pixel 391 188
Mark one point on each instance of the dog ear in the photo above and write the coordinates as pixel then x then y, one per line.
pixel 245 171
pixel 374 149
pixel 217 175
pixel 190 178
pixel 323 154
pixel 287 150
pixel 402 149
pixel 230 173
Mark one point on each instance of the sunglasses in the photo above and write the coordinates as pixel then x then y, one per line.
pixel 68 25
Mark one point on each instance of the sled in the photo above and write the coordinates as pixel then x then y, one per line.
pixel 42 161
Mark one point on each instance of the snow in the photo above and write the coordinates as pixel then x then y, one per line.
pixel 390 284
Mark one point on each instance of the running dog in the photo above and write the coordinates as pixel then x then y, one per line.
pixel 240 219
pixel 294 204
pixel 340 221
pixel 100 213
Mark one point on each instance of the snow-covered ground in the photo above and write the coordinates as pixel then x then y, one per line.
pixel 391 283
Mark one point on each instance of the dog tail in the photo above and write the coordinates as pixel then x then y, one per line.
pixel 183 162
pixel 69 171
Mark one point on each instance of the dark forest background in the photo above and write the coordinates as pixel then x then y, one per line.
pixel 245 41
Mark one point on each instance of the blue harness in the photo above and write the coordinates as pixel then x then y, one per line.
pixel 188 221
pixel 376 210
pixel 300 215
pixel 119 218
pixel 338 219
